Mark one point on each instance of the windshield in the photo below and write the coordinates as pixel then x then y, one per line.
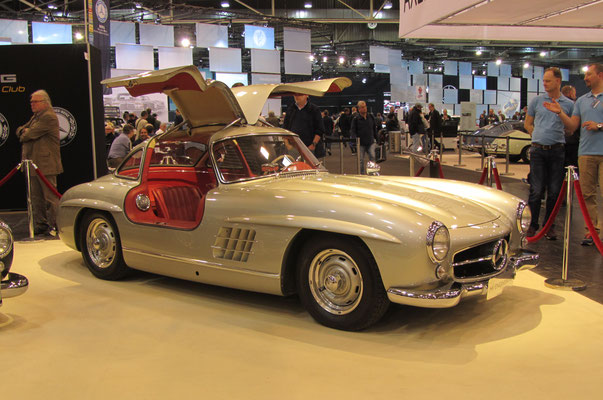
pixel 253 156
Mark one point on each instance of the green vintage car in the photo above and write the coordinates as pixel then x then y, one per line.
pixel 232 203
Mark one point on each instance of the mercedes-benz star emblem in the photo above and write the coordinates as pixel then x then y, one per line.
pixel 499 254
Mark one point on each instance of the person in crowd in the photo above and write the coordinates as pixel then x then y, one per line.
pixel 109 134
pixel 329 125
pixel 416 128
pixel 587 115
pixel 501 116
pixel 178 119
pixel 144 133
pixel 379 120
pixel 121 146
pixel 304 118
pixel 151 118
pixel 435 122
pixel 132 119
pixel 364 127
pixel 483 119
pixel 40 141
pixel 344 122
pixel 273 119
pixel 445 116
pixel 548 149
pixel 162 128
pixel 126 117
pixel 391 122
pixel 517 116
pixel 571 141
pixel 492 117
pixel 141 122
pixel 523 113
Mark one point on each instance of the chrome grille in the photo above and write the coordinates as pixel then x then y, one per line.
pixel 481 261
pixel 233 244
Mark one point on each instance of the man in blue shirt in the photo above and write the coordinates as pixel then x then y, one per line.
pixel 588 113
pixel 547 153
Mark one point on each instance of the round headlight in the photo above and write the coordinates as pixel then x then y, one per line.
pixel 438 241
pixel 6 239
pixel 524 217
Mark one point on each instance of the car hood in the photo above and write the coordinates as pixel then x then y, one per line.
pixel 437 198
pixel 215 103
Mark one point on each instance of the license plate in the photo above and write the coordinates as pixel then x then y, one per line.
pixel 496 286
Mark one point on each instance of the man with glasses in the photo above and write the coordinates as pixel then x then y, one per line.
pixel 40 139
pixel 588 115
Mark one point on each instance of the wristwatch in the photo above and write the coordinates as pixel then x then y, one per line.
pixel 600 127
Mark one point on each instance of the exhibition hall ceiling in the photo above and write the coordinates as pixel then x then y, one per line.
pixel 349 27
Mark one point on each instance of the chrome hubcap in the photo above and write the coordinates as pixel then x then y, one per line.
pixel 335 281
pixel 101 243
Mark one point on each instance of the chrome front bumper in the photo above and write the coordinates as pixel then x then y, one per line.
pixel 451 293
pixel 14 285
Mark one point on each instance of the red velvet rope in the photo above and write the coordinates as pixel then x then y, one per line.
pixel 41 175
pixel 589 223
pixel 440 168
pixel 552 217
pixel 497 178
pixel 419 171
pixel 483 177
pixel 9 175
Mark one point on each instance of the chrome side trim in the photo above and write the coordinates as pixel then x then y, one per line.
pixel 203 263
pixel 14 285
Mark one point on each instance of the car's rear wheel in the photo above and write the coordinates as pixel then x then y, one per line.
pixel 101 247
pixel 339 283
pixel 525 154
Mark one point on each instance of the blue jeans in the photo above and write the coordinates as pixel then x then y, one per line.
pixel 546 174
pixel 370 150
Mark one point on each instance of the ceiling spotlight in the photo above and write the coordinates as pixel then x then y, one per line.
pixel 137 5
pixel 341 60
pixel 52 7
pixel 358 61
pixel 483 72
pixel 324 59
pixel 526 65
pixel 363 80
pixel 308 4
pixel 78 36
pixel 473 72
pixel 585 68
pixel 185 42
pixel 387 5
pixel 478 53
pixel 498 62
pixel 311 57
pixel 542 53
pixel 225 4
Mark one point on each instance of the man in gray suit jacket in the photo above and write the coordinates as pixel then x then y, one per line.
pixel 40 139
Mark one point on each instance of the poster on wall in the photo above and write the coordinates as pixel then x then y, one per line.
pixel 100 36
pixel 82 151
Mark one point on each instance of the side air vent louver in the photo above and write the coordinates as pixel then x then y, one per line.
pixel 234 244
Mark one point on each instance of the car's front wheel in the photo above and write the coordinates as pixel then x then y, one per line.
pixel 101 247
pixel 525 154
pixel 339 283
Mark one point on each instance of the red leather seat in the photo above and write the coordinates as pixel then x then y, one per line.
pixel 181 206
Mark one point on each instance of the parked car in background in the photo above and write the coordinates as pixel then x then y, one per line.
pixel 11 284
pixel 473 141
pixel 519 146
pixel 230 203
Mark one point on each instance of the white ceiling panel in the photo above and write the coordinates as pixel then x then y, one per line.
pixel 590 17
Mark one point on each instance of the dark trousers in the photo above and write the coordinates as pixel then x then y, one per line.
pixel 546 174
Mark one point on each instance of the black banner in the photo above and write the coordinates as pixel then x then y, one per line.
pixel 61 70
pixel 99 34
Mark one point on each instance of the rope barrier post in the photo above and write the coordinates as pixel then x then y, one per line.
pixel 412 166
pixel 507 157
pixel 489 167
pixel 29 205
pixel 341 156
pixel 358 155
pixel 433 165
pixel 564 283
pixel 459 148
pixel 483 152
pixel 441 146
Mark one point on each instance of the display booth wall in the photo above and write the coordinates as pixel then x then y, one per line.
pixel 61 70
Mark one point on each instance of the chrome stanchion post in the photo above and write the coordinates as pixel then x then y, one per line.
pixel 441 146
pixel 29 205
pixel 564 283
pixel 358 154
pixel 483 152
pixel 433 166
pixel 459 148
pixel 507 156
pixel 340 156
pixel 489 164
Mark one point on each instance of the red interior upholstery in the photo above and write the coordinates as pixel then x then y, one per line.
pixel 178 203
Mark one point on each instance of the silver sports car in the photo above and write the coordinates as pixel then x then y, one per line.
pixel 233 203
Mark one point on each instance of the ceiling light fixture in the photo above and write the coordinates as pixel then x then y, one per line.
pixel 137 5
pixel 308 4
pixel 225 4
pixel 498 62
pixel 185 42
pixel 542 53
pixel 324 59
pixel 526 66
pixel 478 53
pixel 387 5
pixel 585 68
pixel 341 60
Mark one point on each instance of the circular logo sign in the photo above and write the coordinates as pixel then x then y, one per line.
pixel 102 12
pixel 67 125
pixel 259 38
pixel 4 129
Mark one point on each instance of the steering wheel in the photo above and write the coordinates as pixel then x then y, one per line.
pixel 282 157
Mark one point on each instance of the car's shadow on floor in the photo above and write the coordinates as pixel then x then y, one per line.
pixel 446 335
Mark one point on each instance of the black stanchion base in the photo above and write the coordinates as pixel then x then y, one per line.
pixel 565 284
